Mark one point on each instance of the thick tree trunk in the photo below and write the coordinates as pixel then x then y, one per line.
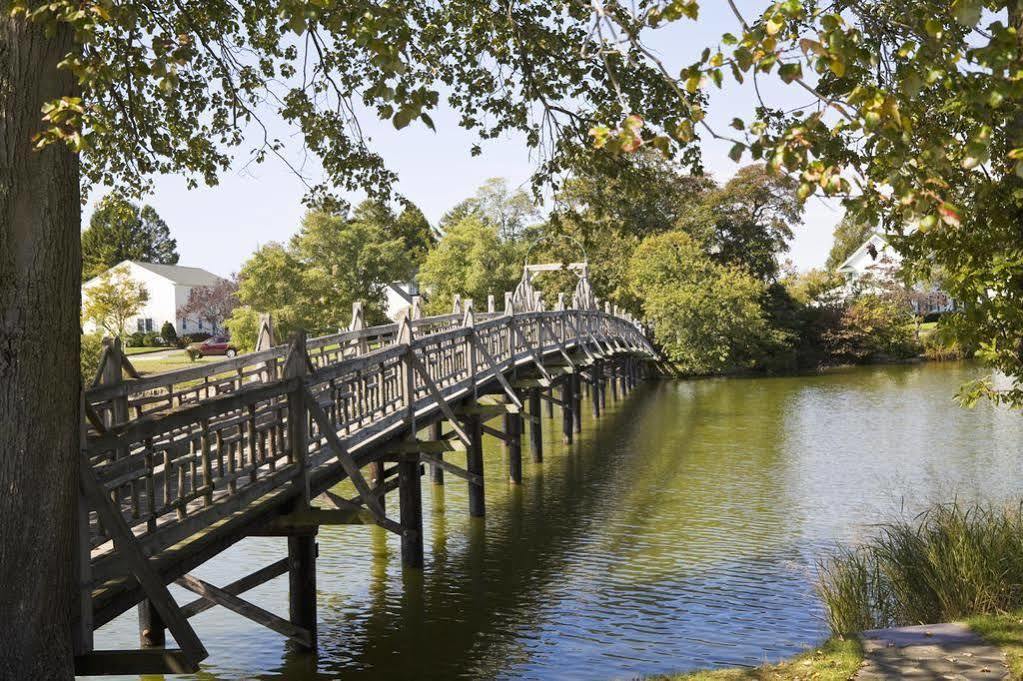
pixel 40 217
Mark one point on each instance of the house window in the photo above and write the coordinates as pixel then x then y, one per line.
pixel 144 325
pixel 200 325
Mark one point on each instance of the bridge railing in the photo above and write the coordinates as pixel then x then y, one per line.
pixel 178 451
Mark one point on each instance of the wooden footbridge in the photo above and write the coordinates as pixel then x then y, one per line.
pixel 179 466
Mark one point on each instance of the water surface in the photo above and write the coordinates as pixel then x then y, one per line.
pixel 681 530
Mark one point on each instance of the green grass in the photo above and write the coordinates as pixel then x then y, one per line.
pixel 144 350
pixel 1004 630
pixel 178 360
pixel 836 660
pixel 948 564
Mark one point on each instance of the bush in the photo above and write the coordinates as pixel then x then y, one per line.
pixel 872 327
pixel 168 333
pixel 949 563
pixel 135 340
pixel 942 345
pixel 91 351
pixel 188 338
pixel 152 340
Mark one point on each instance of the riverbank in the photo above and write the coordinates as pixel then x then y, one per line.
pixel 839 659
pixel 836 660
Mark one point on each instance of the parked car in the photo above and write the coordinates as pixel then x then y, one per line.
pixel 216 345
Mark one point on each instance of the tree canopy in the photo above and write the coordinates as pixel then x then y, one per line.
pixel 912 117
pixel 850 234
pixel 121 230
pixel 332 262
pixel 472 261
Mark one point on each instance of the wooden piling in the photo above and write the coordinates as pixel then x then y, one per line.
pixel 567 401
pixel 302 583
pixel 513 445
pixel 614 378
pixel 436 434
pixel 410 497
pixel 594 390
pixel 550 403
pixel 535 425
pixel 152 630
pixel 474 464
pixel 577 401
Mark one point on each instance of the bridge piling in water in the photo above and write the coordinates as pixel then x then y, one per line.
pixel 535 426
pixel 437 435
pixel 567 400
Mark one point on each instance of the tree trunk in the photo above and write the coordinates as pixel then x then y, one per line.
pixel 40 262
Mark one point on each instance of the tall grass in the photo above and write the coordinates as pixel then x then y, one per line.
pixel 948 563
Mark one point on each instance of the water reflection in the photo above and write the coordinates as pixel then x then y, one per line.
pixel 678 531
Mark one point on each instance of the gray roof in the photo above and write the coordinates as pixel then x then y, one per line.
pixel 185 276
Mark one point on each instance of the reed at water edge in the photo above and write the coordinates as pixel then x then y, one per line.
pixel 948 563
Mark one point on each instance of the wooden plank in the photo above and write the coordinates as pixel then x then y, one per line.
pixel 312 517
pixel 429 446
pixel 251 581
pixel 136 561
pixel 452 468
pixel 245 609
pixel 133 662
pixel 488 410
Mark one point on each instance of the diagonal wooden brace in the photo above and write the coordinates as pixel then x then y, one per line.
pixel 343 456
pixel 152 584
pixel 245 609
pixel 445 408
pixel 494 370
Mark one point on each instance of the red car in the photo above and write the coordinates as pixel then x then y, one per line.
pixel 216 345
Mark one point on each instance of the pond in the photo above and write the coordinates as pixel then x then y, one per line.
pixel 680 530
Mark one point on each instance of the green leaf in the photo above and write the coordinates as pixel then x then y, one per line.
pixel 735 153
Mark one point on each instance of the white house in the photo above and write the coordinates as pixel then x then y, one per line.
pixel 876 260
pixel 168 287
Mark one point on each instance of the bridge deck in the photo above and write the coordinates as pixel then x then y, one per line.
pixel 179 466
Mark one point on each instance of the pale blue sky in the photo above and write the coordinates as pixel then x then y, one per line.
pixel 218 228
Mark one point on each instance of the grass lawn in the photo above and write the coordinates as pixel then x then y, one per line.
pixel 178 360
pixel 836 660
pixel 1006 632
pixel 143 351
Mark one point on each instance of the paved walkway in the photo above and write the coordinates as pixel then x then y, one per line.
pixel 934 651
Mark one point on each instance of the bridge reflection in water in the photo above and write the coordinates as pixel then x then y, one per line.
pixel 180 466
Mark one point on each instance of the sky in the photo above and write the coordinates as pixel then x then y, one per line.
pixel 217 228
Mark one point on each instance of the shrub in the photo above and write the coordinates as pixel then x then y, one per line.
pixel 942 345
pixel 948 563
pixel 168 333
pixel 151 340
pixel 135 340
pixel 871 327
pixel 91 351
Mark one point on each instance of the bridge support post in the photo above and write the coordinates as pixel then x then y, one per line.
pixel 302 552
pixel 577 400
pixel 595 372
pixel 535 425
pixel 410 497
pixel 513 445
pixel 566 409
pixel 474 464
pixel 615 378
pixel 550 403
pixel 152 630
pixel 437 434
pixel 376 480
pixel 603 390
